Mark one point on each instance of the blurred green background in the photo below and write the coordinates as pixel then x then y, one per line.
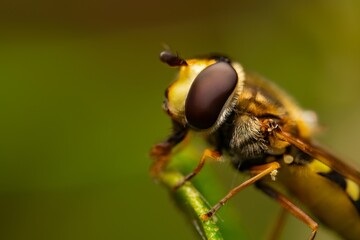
pixel 80 96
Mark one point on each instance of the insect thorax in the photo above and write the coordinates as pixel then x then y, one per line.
pixel 241 138
pixel 242 135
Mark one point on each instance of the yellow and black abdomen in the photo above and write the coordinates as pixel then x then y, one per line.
pixel 329 196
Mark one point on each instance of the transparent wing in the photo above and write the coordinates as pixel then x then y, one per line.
pixel 320 154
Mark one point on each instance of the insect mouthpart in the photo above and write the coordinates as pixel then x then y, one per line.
pixel 165 106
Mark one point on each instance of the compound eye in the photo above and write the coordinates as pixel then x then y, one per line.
pixel 209 93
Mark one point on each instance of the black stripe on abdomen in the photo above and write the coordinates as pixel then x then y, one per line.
pixel 350 188
pixel 335 177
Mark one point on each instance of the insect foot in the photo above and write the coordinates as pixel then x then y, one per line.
pixel 161 155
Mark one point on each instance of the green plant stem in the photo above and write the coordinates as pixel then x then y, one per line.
pixel 189 200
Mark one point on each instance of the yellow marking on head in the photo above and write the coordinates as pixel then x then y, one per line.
pixel 319 167
pixel 352 190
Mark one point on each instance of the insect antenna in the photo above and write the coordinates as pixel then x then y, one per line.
pixel 171 59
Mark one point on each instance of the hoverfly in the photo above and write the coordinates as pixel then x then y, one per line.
pixel 265 134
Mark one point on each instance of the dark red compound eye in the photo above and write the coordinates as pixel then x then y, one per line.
pixel 209 93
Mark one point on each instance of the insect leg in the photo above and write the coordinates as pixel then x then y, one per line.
pixel 207 153
pixel 279 225
pixel 161 151
pixel 292 208
pixel 263 171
